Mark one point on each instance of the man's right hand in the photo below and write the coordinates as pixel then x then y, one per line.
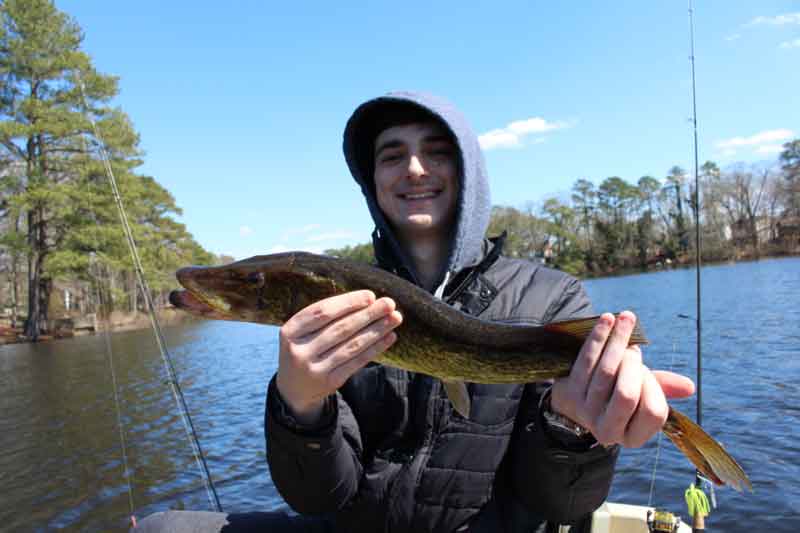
pixel 324 344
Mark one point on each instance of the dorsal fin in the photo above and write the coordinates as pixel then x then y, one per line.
pixel 582 327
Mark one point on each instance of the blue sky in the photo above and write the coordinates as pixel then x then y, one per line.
pixel 241 108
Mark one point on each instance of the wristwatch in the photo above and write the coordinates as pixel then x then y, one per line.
pixel 559 422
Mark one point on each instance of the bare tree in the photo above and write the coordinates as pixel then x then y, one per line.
pixel 740 194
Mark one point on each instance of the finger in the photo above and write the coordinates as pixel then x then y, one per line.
pixel 592 349
pixel 320 314
pixel 359 342
pixel 342 373
pixel 674 385
pixel 624 399
pixel 605 371
pixel 650 415
pixel 346 327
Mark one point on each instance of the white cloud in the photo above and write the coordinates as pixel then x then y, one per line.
pixel 763 143
pixel 498 139
pixel 513 134
pixel 755 140
pixel 791 44
pixel 779 20
pixel 533 125
pixel 244 231
pixel 733 37
pixel 770 149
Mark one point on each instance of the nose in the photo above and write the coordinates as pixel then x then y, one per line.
pixel 415 167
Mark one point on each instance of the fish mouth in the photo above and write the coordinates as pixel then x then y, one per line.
pixel 187 301
pixel 197 299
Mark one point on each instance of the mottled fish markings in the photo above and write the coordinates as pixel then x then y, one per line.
pixel 434 339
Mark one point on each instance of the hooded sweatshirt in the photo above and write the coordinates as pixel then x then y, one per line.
pixel 474 203
pixel 390 454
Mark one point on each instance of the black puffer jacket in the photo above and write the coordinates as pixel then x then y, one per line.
pixel 390 454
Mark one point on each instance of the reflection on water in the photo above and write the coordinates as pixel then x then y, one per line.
pixel 61 464
pixel 60 456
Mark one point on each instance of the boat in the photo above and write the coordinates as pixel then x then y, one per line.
pixel 625 518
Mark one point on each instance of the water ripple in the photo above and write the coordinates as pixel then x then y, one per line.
pixel 60 458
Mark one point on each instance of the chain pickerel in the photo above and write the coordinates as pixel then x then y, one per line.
pixel 434 338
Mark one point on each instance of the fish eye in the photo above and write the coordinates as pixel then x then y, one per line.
pixel 256 279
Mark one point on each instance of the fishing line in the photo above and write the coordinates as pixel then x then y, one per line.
pixel 173 380
pixel 95 274
pixel 110 352
pixel 660 434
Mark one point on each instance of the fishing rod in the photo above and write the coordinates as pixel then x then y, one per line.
pixel 167 360
pixel 696 499
pixel 698 244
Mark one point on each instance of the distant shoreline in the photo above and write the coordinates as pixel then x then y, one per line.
pixel 690 264
pixel 118 322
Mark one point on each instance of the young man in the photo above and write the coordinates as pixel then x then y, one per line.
pixel 375 448
pixel 359 447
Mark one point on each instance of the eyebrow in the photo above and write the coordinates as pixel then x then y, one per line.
pixel 395 143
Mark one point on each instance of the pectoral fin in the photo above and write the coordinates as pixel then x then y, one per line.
pixel 458 395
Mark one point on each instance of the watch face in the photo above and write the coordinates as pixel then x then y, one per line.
pixel 563 425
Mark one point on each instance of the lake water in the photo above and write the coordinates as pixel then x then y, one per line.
pixel 61 464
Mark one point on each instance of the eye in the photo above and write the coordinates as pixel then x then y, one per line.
pixel 256 279
pixel 441 153
pixel 390 157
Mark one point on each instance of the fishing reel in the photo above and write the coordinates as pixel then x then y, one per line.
pixel 662 521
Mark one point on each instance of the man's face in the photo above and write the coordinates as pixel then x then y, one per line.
pixel 416 179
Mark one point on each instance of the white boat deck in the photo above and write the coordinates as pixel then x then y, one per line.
pixel 623 518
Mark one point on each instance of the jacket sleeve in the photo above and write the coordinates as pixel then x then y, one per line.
pixel 559 480
pixel 316 469
pixel 562 482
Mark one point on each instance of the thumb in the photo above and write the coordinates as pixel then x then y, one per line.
pixel 674 385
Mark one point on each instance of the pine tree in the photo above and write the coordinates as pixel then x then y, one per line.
pixel 57 185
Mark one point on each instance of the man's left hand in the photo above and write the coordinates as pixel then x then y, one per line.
pixel 610 392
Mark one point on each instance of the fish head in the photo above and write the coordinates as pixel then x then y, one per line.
pixel 265 289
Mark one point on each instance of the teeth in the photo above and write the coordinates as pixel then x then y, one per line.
pixel 420 196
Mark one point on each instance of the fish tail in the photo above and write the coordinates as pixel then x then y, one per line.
pixel 582 327
pixel 704 452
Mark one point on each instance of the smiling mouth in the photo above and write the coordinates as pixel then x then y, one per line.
pixel 420 195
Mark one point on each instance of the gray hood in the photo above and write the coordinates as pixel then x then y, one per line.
pixel 474 204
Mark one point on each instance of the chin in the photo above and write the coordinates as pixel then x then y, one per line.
pixel 420 221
